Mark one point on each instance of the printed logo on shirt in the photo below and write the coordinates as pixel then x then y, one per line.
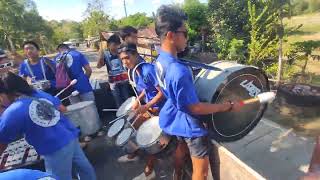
pixel 146 79
pixel 43 113
pixel 115 65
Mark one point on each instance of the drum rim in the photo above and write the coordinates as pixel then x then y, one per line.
pixel 123 124
pixel 88 102
pixel 126 141
pixel 122 106
pixel 258 114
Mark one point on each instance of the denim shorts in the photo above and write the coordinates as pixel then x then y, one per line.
pixel 198 146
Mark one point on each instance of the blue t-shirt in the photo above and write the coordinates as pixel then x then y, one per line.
pixel 26 174
pixel 145 79
pixel 113 64
pixel 76 61
pixel 37 71
pixel 46 131
pixel 176 82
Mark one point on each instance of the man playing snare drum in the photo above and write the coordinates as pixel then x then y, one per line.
pixel 143 79
pixel 178 117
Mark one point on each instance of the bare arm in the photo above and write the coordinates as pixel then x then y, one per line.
pixel 141 96
pixel 88 70
pixel 156 99
pixel 2 148
pixel 207 108
pixel 62 108
pixel 100 62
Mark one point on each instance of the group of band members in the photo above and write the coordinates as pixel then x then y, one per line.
pixel 164 88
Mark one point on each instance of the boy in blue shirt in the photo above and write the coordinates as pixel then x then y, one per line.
pixel 149 96
pixel 37 68
pixel 38 116
pixel 117 75
pixel 179 115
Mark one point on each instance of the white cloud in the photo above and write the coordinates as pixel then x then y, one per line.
pixel 75 13
pixel 117 9
pixel 156 2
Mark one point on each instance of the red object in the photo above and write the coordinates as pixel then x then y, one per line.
pixel 118 78
pixel 241 103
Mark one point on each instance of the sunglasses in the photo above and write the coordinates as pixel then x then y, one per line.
pixel 185 33
pixel 5 65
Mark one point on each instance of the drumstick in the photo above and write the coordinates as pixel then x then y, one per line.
pixel 109 109
pixel 118 118
pixel 74 93
pixel 73 82
pixel 266 97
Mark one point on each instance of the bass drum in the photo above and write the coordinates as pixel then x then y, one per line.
pixel 235 82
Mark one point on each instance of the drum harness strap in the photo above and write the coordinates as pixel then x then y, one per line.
pixel 134 85
pixel 42 69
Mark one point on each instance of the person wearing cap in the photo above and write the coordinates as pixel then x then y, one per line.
pixel 37 68
pixel 149 96
pixel 76 62
pixel 5 63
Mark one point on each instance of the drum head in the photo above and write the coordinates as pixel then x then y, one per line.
pixel 79 105
pixel 124 137
pixel 148 132
pixel 126 106
pixel 240 85
pixel 115 128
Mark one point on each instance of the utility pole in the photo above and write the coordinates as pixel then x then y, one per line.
pixel 125 7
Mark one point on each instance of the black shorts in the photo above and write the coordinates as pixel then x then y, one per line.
pixel 198 146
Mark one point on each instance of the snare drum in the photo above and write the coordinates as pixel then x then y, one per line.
pixel 126 106
pixel 116 128
pixel 151 138
pixel 126 140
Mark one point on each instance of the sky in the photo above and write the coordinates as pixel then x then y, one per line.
pixel 74 9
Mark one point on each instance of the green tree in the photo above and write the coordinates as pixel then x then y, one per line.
pixel 20 20
pixel 96 22
pixel 228 19
pixel 137 20
pixel 11 20
pixel 197 18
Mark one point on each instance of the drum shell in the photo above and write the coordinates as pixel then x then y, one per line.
pixel 157 146
pixel 86 117
pixel 211 84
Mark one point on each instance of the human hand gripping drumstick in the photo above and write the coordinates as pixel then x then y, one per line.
pixel 266 97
